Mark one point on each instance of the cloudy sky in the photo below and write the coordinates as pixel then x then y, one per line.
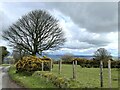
pixel 87 25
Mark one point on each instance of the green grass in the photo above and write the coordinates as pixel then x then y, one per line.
pixel 5 65
pixel 29 81
pixel 88 77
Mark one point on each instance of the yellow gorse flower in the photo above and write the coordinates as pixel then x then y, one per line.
pixel 31 63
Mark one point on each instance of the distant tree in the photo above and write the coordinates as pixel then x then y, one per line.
pixel 67 58
pixel 35 32
pixel 102 54
pixel 4 52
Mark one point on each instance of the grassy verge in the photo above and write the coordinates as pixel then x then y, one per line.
pixel 5 65
pixel 29 81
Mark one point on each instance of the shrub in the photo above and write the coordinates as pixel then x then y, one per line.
pixel 82 65
pixel 30 64
pixel 113 64
pixel 60 82
pixel 80 61
pixel 118 64
pixel 96 66
pixel 88 65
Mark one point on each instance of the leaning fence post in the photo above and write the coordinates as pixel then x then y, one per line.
pixel 109 73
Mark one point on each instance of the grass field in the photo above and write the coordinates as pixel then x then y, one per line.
pixel 88 77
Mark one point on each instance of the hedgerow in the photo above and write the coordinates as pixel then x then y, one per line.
pixel 96 64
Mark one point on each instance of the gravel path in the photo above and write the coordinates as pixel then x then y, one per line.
pixel 5 81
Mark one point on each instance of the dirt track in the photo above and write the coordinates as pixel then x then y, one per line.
pixel 5 81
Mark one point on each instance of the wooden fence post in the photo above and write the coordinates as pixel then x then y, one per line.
pixel 76 62
pixel 60 65
pixel 51 65
pixel 109 73
pixel 42 65
pixel 74 71
pixel 101 73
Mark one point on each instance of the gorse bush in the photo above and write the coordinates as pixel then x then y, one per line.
pixel 30 64
pixel 59 82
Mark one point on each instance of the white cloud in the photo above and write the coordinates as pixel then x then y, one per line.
pixel 79 40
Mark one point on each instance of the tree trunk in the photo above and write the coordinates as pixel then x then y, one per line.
pixel 101 73
pixel 34 53
pixel 109 73
pixel 20 54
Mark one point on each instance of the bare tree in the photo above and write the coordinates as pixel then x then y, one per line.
pixel 102 55
pixel 35 32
